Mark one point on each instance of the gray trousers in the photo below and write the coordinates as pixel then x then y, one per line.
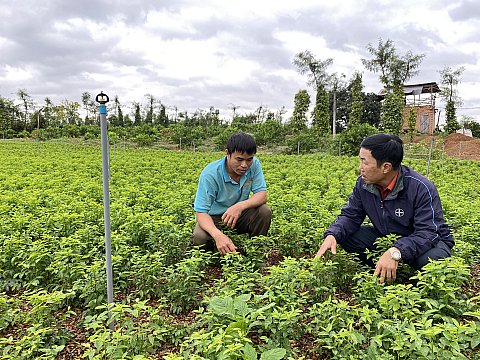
pixel 365 237
pixel 254 221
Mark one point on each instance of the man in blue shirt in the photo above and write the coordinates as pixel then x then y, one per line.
pixel 397 200
pixel 223 196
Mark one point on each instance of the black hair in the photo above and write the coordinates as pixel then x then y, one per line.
pixel 241 142
pixel 385 148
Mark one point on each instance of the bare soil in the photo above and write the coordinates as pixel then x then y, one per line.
pixel 456 145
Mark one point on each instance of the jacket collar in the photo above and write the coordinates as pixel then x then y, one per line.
pixel 396 189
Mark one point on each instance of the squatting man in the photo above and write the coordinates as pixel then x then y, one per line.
pixel 223 197
pixel 397 200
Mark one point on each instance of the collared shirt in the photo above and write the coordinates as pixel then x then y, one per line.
pixel 216 191
pixel 384 192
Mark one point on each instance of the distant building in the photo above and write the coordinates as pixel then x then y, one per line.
pixel 422 98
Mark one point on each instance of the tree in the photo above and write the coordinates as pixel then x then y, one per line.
pixel 47 117
pixel 306 63
pixel 71 114
pixel 138 115
pixel 356 104
pixel 392 111
pixel 371 109
pixel 394 69
pixel 86 100
pixel 412 122
pixel 450 78
pixel 27 102
pixel 7 110
pixel 321 113
pixel 451 123
pixel 298 121
pixel 118 113
pixel 162 116
pixel 150 115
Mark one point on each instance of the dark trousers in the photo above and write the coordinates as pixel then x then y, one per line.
pixel 254 221
pixel 365 237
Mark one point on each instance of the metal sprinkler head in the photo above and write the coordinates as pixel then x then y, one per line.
pixel 102 98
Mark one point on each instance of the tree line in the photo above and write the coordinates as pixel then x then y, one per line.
pixel 340 107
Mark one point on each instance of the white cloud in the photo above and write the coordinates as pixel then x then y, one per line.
pixel 16 74
pixel 218 52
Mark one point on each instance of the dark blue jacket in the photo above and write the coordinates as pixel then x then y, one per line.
pixel 412 210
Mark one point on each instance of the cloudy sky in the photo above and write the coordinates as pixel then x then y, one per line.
pixel 196 54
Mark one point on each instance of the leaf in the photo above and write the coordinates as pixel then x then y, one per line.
pixel 249 352
pixel 274 354
pixel 221 306
pixel 241 306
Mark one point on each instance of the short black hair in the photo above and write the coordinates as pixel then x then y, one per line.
pixel 241 142
pixel 385 148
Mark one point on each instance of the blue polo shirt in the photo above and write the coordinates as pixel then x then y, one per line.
pixel 217 191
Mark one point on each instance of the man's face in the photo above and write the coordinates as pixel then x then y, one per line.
pixel 370 172
pixel 238 163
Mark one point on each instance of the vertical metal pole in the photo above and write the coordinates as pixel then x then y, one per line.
pixel 103 99
pixel 334 121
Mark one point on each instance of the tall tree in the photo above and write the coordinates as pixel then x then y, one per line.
pixel 356 104
pixel 298 121
pixel 72 115
pixel 27 103
pixel 450 78
pixel 321 114
pixel 86 100
pixel 149 118
pixel 137 114
pixel 412 122
pixel 392 111
pixel 7 110
pixel 395 70
pixel 117 119
pixel 47 112
pixel 318 77
pixel 371 109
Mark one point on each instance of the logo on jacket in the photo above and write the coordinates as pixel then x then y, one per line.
pixel 399 212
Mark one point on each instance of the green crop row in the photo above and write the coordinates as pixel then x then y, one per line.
pixel 178 302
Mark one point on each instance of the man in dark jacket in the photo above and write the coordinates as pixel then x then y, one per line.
pixel 397 200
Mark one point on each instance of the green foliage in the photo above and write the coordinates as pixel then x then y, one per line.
pixel 353 136
pixel 392 111
pixel 139 329
pixel 184 281
pixel 356 106
pixel 171 297
pixel 412 122
pixel 298 122
pixel 270 132
pixel 451 123
pixel 321 113
pixel 303 142
pixel 35 325
pixel 394 69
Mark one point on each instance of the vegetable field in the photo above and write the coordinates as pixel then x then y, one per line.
pixel 173 301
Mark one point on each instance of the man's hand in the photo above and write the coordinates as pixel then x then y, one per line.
pixel 224 244
pixel 330 243
pixel 386 267
pixel 232 214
